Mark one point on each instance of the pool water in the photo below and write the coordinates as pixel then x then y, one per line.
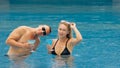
pixel 99 26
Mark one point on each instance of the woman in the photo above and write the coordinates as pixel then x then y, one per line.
pixel 65 42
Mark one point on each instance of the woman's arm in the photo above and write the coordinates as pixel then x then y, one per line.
pixel 50 47
pixel 78 38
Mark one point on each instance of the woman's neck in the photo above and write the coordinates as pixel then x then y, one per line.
pixel 62 39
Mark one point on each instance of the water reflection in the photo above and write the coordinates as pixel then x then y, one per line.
pixel 19 64
pixel 62 62
pixel 18 61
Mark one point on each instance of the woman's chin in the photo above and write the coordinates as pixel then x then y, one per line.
pixel 61 36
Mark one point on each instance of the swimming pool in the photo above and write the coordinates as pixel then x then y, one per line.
pixel 99 26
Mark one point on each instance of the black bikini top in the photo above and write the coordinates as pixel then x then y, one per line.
pixel 65 51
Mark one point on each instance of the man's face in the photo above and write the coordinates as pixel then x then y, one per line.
pixel 43 30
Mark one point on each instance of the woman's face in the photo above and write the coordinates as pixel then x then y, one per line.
pixel 62 30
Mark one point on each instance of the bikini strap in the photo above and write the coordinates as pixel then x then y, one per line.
pixel 66 42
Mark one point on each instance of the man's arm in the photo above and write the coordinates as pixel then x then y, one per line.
pixel 13 38
pixel 36 44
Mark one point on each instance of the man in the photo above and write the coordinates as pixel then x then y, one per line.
pixel 18 39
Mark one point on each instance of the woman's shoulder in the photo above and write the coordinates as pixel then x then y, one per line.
pixel 73 41
pixel 70 40
pixel 54 40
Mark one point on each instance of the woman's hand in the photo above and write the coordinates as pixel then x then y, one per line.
pixel 72 25
pixel 49 48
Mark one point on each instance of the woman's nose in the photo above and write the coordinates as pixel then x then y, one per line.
pixel 61 31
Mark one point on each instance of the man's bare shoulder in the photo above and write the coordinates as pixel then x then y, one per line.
pixel 22 27
pixel 20 30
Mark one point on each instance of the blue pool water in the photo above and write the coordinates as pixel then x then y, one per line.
pixel 98 24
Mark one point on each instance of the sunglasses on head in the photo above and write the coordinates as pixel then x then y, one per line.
pixel 65 21
pixel 44 31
